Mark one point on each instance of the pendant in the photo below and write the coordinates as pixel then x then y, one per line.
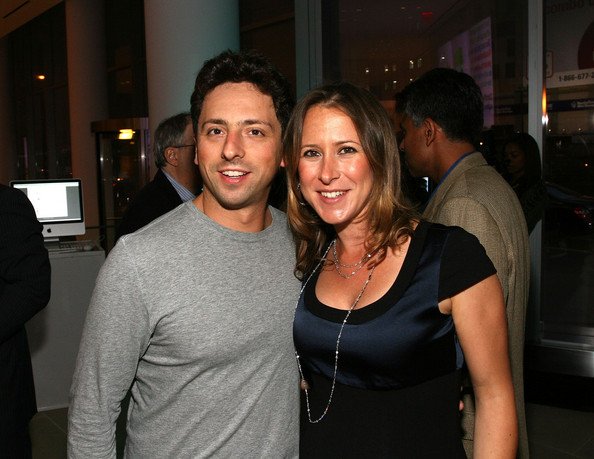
pixel 303 384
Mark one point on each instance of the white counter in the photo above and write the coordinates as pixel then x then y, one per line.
pixel 54 333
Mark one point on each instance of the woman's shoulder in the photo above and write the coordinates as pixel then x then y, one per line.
pixel 458 244
pixel 454 234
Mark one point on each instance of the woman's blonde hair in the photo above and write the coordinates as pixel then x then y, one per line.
pixel 389 215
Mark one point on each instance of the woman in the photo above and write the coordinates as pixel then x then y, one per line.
pixel 386 298
pixel 522 160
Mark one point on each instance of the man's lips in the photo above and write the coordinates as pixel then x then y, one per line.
pixel 233 173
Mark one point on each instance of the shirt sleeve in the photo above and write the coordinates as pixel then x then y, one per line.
pixel 464 263
pixel 115 336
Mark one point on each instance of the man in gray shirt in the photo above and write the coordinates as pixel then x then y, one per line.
pixel 194 311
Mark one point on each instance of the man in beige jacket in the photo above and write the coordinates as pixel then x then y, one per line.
pixel 442 117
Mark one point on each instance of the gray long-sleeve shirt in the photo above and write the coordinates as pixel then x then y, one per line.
pixel 197 319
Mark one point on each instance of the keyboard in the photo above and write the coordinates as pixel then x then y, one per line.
pixel 70 246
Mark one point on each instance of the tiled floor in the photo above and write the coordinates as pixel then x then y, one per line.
pixel 559 433
pixel 554 433
pixel 48 434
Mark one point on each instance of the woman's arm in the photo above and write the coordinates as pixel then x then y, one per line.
pixel 479 317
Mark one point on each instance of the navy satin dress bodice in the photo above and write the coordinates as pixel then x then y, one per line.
pixel 398 341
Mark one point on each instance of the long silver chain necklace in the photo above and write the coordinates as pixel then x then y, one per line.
pixel 356 267
pixel 303 382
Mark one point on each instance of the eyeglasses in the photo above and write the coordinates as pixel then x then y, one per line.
pixel 183 146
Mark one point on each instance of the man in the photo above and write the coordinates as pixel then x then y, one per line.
pixel 176 181
pixel 25 280
pixel 443 117
pixel 194 311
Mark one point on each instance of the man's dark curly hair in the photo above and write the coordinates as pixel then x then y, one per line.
pixel 240 67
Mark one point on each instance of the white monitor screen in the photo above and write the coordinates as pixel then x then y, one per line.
pixel 58 205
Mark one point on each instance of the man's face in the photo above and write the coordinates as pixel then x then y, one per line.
pixel 411 141
pixel 238 143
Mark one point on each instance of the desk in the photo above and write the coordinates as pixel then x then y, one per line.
pixel 54 333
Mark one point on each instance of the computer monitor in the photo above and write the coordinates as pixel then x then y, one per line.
pixel 58 205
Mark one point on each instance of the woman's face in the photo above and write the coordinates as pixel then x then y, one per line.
pixel 335 175
pixel 515 159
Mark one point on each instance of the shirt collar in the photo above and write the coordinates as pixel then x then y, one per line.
pixel 182 191
pixel 450 169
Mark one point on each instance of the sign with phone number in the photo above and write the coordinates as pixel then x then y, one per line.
pixel 571 78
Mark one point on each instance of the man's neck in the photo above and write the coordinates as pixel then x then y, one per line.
pixel 250 219
pixel 453 152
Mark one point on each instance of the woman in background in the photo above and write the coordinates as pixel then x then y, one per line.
pixel 388 300
pixel 522 161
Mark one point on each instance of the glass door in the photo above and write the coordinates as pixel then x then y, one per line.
pixel 123 169
pixel 567 293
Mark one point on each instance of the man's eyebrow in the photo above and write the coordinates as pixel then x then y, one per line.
pixel 213 121
pixel 251 122
pixel 248 122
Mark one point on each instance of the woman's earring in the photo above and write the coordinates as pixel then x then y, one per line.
pixel 300 199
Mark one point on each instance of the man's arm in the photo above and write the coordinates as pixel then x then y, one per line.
pixel 25 271
pixel 115 335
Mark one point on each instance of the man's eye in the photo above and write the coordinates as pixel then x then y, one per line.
pixel 214 131
pixel 256 132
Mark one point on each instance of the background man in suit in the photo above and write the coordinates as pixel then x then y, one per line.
pixel 24 291
pixel 176 181
pixel 443 117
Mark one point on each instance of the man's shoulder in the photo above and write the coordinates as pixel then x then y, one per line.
pixel 478 198
pixel 14 201
pixel 163 228
pixel 8 193
pixel 153 200
pixel 159 189
pixel 475 179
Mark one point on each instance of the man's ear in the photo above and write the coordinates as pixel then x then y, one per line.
pixel 430 129
pixel 171 156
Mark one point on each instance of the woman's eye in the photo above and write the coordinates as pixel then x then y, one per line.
pixel 310 153
pixel 348 150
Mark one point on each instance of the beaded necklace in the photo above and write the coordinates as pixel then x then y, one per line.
pixel 355 266
pixel 303 382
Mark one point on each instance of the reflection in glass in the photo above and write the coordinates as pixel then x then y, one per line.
pixel 122 170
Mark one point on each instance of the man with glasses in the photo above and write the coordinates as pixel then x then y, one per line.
pixel 176 181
